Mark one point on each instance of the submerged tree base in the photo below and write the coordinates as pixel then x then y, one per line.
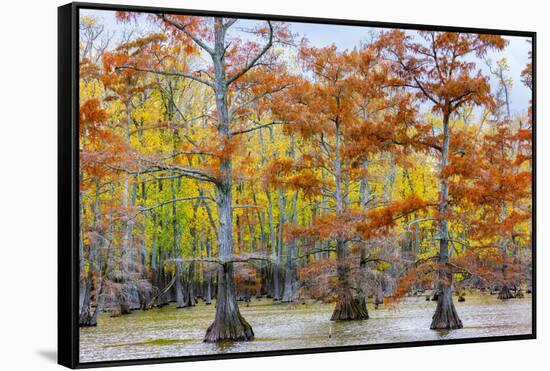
pixel 236 329
pixel 445 316
pixel 505 293
pixel 87 319
pixel 87 324
pixel 229 324
pixel 349 309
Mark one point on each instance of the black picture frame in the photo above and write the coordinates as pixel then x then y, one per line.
pixel 68 185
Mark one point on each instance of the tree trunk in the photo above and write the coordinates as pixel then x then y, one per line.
pixel 288 290
pixel 190 293
pixel 505 292
pixel 445 316
pixel 362 295
pixel 82 279
pixel 208 277
pixel 292 247
pixel 347 307
pixel 143 246
pixel 270 269
pixel 228 323
pixel 364 190
pixel 154 252
pixel 277 269
pixel 178 285
pixel 180 302
pixel 127 202
pixel 378 296
pixel 86 317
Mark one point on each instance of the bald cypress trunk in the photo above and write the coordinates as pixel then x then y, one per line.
pixel 178 285
pixel 87 317
pixel 189 294
pixel 127 202
pixel 362 295
pixel 154 252
pixel 288 289
pixel 505 292
pixel 143 246
pixel 347 306
pixel 228 323
pixel 273 287
pixel 277 290
pixel 292 247
pixel 445 316
pixel 82 260
pixel 207 276
pixel 364 188
pixel 82 278
pixel 270 269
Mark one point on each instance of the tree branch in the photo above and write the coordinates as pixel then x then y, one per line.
pixel 248 130
pixel 252 63
pixel 229 23
pixel 183 171
pixel 226 260
pixel 314 252
pixel 143 210
pixel 184 29
pixel 167 73
pixel 373 260
pixel 260 96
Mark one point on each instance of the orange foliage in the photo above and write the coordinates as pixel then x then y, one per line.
pixel 379 221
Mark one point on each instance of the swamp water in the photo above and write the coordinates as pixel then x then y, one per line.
pixel 171 332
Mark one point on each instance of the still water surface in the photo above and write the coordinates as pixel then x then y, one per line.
pixel 171 332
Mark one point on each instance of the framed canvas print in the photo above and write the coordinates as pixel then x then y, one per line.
pixel 237 185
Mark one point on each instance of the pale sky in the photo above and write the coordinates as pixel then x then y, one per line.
pixel 348 37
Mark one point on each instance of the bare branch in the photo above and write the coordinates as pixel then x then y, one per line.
pixel 460 269
pixel 260 96
pixel 408 227
pixel 248 130
pixel 168 73
pixel 181 170
pixel 227 260
pixel 229 23
pixel 143 210
pixel 254 60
